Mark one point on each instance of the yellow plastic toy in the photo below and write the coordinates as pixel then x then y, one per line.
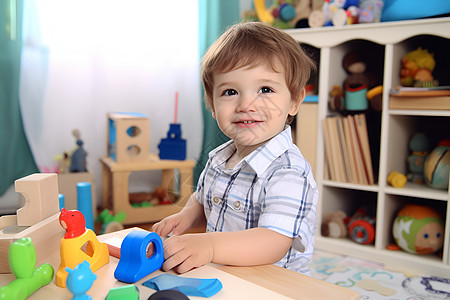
pixel 79 244
pixel 262 12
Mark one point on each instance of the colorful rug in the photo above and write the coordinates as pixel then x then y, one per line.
pixel 373 281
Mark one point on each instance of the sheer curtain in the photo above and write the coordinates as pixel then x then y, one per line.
pixel 84 58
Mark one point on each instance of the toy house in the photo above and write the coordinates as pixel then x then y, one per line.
pixel 128 137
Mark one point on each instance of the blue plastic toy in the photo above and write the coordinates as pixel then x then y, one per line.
pixel 84 203
pixel 80 280
pixel 173 147
pixel 188 286
pixel 134 263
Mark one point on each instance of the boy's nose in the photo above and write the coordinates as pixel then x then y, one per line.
pixel 246 103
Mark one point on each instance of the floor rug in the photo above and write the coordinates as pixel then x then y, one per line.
pixel 373 281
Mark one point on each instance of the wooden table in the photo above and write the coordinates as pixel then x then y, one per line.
pixel 260 282
pixel 115 193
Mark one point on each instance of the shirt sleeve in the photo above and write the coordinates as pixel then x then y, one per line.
pixel 289 205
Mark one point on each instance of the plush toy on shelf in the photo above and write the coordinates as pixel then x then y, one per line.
pixel 357 83
pixel 419 146
pixel 418 229
pixel 333 224
pixel 417 67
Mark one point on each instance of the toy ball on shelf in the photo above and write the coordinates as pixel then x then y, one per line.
pixel 437 167
pixel 418 229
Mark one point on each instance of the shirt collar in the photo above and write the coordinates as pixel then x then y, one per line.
pixel 260 159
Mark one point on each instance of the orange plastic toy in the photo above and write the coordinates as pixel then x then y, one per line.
pixel 79 244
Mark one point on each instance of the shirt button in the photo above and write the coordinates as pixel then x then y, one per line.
pixel 237 204
pixel 216 200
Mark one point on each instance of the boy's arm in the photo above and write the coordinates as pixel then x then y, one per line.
pixel 250 247
pixel 192 215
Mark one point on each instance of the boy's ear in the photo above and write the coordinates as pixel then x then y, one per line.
pixel 295 102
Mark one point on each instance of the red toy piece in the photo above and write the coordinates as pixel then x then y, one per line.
pixel 73 222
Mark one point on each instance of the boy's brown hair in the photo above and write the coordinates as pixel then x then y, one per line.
pixel 250 44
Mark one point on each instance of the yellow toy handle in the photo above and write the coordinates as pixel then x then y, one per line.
pixel 374 91
pixel 261 11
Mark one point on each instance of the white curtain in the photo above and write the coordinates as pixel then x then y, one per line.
pixel 84 58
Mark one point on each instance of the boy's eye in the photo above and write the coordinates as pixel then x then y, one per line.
pixel 266 89
pixel 229 92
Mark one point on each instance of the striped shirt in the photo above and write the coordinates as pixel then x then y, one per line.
pixel 273 187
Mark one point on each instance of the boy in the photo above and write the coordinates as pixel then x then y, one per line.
pixel 257 195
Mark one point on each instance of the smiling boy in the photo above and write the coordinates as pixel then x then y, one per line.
pixel 257 195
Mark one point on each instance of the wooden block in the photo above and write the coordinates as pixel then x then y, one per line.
pixel 46 236
pixel 67 185
pixel 41 198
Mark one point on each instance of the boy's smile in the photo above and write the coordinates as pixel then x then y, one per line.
pixel 251 105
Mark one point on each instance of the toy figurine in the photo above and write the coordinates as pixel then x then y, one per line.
pixel 437 166
pixel 22 261
pixel 80 280
pixel 419 145
pixel 418 229
pixel 78 159
pixel 357 82
pixel 71 249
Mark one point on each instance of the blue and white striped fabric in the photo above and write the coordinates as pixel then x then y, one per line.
pixel 273 187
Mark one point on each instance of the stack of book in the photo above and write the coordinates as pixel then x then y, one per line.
pixel 347 149
pixel 436 98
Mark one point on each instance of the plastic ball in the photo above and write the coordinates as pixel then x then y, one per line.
pixel 418 229
pixel 437 168
pixel 287 12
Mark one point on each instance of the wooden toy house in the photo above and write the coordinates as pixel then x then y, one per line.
pixel 128 137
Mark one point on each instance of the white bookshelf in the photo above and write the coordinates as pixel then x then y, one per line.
pixel 390 40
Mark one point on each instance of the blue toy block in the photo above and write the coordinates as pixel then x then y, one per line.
pixel 188 286
pixel 134 263
pixel 84 203
pixel 173 147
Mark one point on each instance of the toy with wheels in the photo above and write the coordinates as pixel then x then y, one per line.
pixel 418 229
pixel 361 227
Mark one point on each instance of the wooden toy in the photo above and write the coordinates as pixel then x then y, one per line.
pixel 128 137
pixel 80 280
pixel 418 229
pixel 134 262
pixel 115 190
pixel 37 219
pixel 22 260
pixel 45 189
pixel 126 292
pixel 77 245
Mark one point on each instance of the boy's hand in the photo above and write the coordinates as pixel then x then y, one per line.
pixel 186 252
pixel 175 224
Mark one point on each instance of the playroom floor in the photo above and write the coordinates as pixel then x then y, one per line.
pixel 353 273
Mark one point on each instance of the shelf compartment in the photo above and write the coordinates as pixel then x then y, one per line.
pixel 402 129
pixel 393 204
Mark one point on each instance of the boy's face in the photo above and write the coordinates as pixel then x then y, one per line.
pixel 251 105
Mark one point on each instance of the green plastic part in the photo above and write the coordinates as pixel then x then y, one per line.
pixel 22 261
pixel 127 292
